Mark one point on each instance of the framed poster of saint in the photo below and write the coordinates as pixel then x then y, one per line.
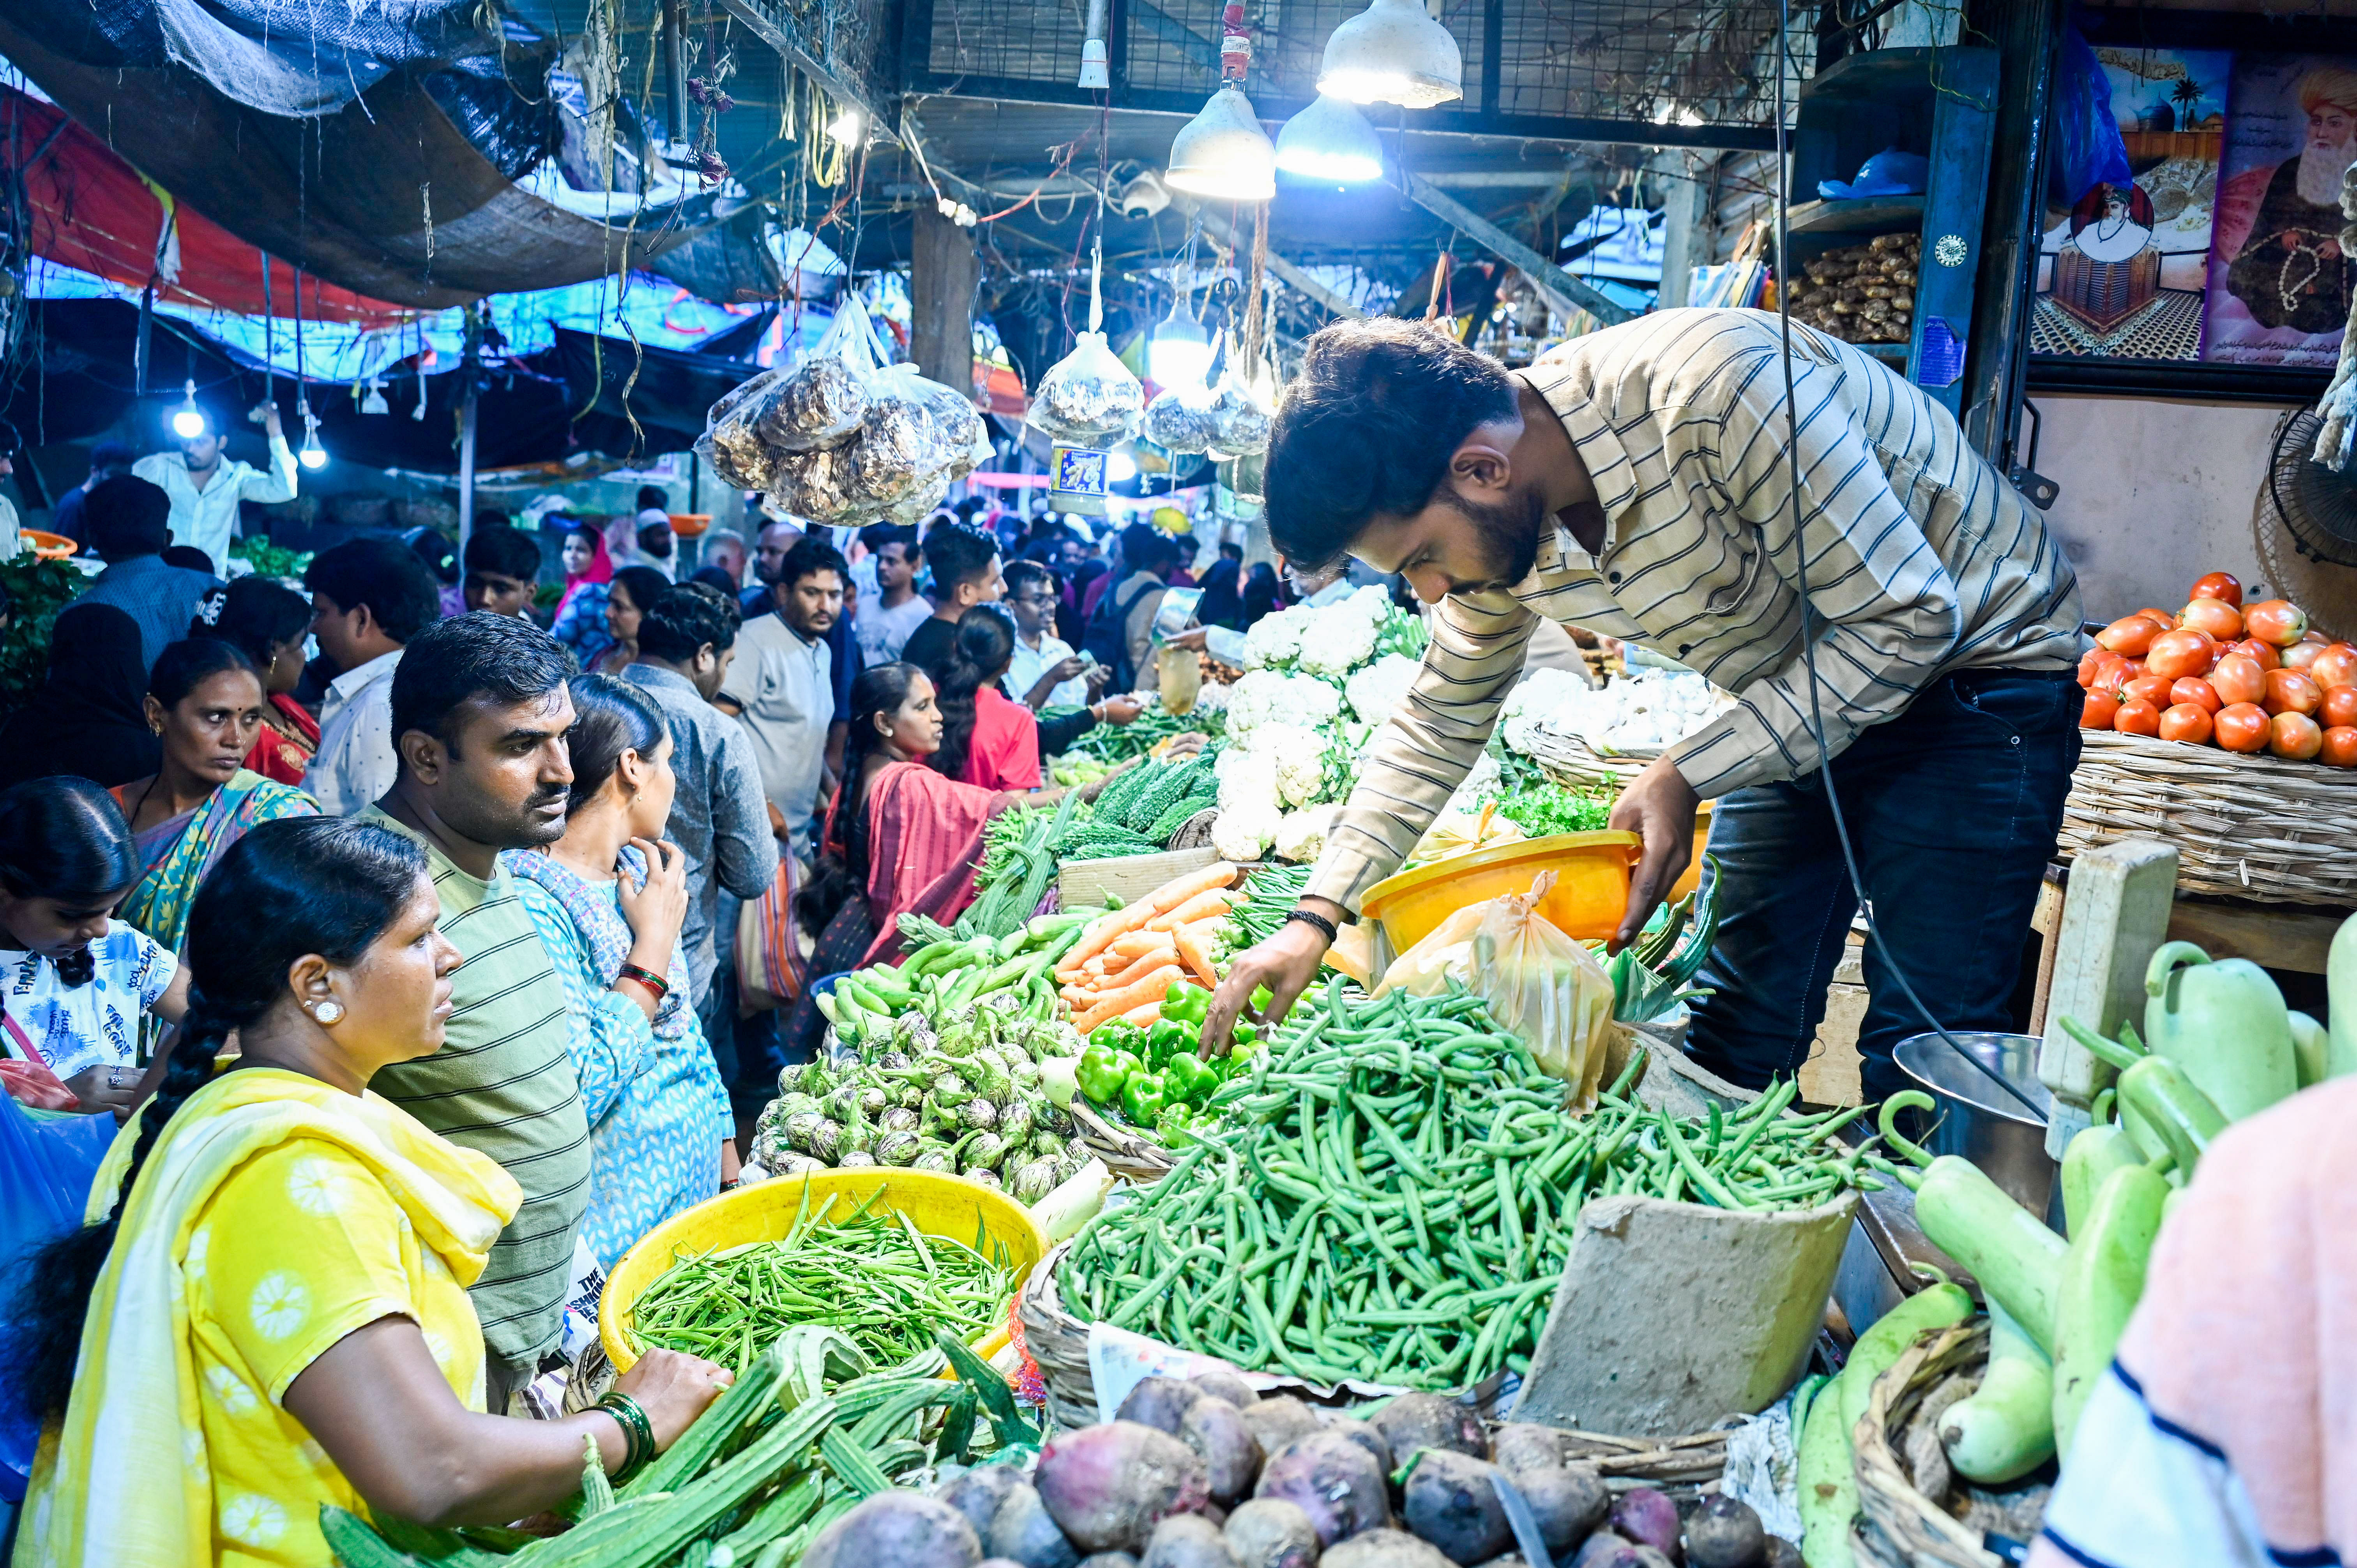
pixel 2280 285
pixel 2121 272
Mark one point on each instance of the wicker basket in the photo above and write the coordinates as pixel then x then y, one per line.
pixel 1571 760
pixel 1123 1150
pixel 2245 826
pixel 1194 833
pixel 1899 1526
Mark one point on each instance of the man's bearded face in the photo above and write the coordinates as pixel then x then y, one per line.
pixel 2331 148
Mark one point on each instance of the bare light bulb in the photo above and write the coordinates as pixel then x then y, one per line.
pixel 189 420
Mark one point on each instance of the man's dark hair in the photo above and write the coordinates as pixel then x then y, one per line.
pixel 510 551
pixel 808 555
pixel 187 558
pixel 1232 550
pixel 1144 548
pixel 127 517
pixel 653 497
pixel 1022 574
pixel 683 620
pixel 497 659
pixel 397 587
pixel 108 457
pixel 720 598
pixel 877 535
pixel 1368 427
pixel 960 552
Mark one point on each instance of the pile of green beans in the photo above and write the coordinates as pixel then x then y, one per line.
pixel 1395 1197
pixel 876 1278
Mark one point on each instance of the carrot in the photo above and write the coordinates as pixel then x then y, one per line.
pixel 1192 950
pixel 1137 942
pixel 1211 901
pixel 1161 901
pixel 1144 1017
pixel 1137 994
pixel 1144 964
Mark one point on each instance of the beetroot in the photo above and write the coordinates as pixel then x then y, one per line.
pixel 1364 1433
pixel 978 1492
pixel 1022 1529
pixel 1521 1446
pixel 1278 1421
pixel 1781 1553
pixel 1427 1420
pixel 1187 1541
pixel 1724 1533
pixel 1449 1501
pixel 1215 1430
pixel 1647 1517
pixel 1599 1548
pixel 899 1527
pixel 1269 1532
pixel 1107 1486
pixel 1158 1402
pixel 1337 1483
pixel 1383 1549
pixel 1221 1383
pixel 1568 1501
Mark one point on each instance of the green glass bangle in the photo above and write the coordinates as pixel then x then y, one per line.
pixel 638 1434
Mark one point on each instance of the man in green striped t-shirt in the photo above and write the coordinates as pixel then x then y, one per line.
pixel 480 712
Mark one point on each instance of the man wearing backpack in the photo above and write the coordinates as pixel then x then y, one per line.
pixel 1120 634
pixel 965 561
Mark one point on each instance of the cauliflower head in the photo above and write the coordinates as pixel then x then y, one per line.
pixel 1246 776
pixel 1342 640
pixel 1301 835
pixel 1245 831
pixel 1381 687
pixel 1275 640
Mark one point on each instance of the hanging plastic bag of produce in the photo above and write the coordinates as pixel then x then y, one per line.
pixel 1180 420
pixel 821 401
pixel 1088 398
pixel 1542 986
pixel 731 444
pixel 1244 410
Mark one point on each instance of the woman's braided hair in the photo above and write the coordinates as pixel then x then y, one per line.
pixel 300 886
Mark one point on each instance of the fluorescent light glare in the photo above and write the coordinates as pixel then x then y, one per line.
pixel 846 127
pixel 1180 352
pixel 313 454
pixel 1224 153
pixel 1330 141
pixel 1392 52
pixel 1120 468
pixel 189 420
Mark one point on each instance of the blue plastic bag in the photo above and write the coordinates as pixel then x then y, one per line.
pixel 47 1161
pixel 1888 173
pixel 2088 148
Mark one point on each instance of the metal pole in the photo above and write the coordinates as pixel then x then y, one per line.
pixel 469 366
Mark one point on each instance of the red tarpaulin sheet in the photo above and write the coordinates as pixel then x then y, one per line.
pixel 92 211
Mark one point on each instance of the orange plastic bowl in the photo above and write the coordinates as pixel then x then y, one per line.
pixel 1589 895
pixel 689 525
pixel 46 546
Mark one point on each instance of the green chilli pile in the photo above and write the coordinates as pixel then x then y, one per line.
pixel 1402 1183
pixel 872 1276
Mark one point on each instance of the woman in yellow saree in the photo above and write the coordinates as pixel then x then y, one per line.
pixel 266 1310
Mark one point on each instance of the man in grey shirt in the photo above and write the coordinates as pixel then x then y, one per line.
pixel 782 686
pixel 719 816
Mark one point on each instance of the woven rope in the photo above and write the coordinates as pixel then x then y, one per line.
pixel 1123 1150
pixel 1572 760
pixel 1899 1527
pixel 2246 826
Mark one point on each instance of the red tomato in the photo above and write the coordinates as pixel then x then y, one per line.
pixel 2302 654
pixel 2176 653
pixel 2289 691
pixel 2221 586
pixel 2098 711
pixel 2089 662
pixel 2110 670
pixel 2270 656
pixel 2340 748
pixel 2339 708
pixel 2239 678
pixel 2193 689
pixel 2153 689
pixel 2216 617
pixel 2295 735
pixel 2312 635
pixel 2131 668
pixel 2130 635
pixel 2187 721
pixel 2154 613
pixel 2242 726
pixel 2137 718
pixel 2336 666
pixel 2279 621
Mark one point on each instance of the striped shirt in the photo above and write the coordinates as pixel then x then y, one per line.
pixel 503 1084
pixel 1922 561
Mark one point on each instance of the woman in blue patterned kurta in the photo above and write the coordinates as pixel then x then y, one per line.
pixel 609 899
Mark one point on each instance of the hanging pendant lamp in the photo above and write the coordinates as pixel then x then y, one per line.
pixel 1224 153
pixel 1331 141
pixel 1392 52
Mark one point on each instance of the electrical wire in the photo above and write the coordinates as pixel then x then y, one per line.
pixel 1801 570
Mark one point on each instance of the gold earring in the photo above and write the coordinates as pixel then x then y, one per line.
pixel 327 1012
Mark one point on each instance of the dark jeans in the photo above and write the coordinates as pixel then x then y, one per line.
pixel 1952 807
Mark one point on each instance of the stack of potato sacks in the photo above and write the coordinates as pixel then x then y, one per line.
pixel 1863 294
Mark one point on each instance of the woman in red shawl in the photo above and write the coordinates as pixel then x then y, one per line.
pixel 900 838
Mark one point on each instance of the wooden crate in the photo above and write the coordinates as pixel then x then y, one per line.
pixel 1086 884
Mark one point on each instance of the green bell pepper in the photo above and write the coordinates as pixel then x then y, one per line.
pixel 1166 1039
pixel 1102 1071
pixel 1190 1080
pixel 1144 1096
pixel 1185 1004
pixel 1177 1127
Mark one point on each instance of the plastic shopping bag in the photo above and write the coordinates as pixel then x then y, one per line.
pixel 1542 987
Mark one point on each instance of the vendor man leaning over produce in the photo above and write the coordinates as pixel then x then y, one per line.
pixel 1640 486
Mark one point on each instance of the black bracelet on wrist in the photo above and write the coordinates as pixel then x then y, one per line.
pixel 1312 918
